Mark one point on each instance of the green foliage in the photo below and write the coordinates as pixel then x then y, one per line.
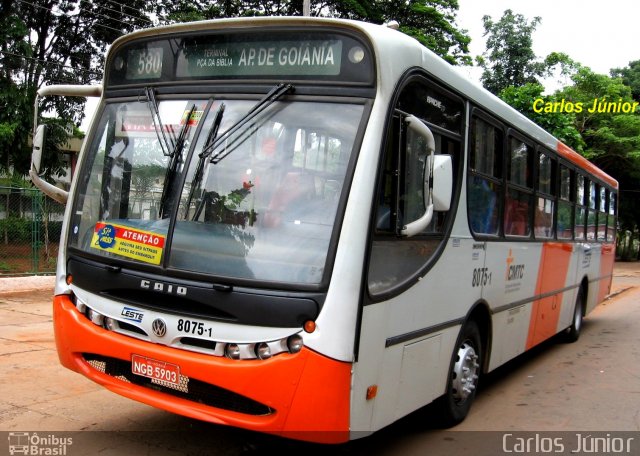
pixel 19 229
pixel 612 140
pixel 609 136
pixel 630 76
pixel 509 59
pixel 432 23
pixel 561 125
pixel 609 139
pixel 58 41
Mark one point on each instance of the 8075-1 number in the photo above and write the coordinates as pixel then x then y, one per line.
pixel 481 277
pixel 194 327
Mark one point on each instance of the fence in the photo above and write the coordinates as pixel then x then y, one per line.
pixel 30 226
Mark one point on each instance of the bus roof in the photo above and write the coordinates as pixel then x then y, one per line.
pixel 395 54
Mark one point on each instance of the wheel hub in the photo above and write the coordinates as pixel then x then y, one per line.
pixel 465 372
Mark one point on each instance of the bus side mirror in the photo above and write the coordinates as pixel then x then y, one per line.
pixel 38 147
pixel 438 180
pixel 442 182
pixel 48 189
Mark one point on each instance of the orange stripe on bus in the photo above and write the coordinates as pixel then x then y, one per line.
pixel 552 276
pixel 577 159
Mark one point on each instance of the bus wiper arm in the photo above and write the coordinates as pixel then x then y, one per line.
pixel 165 145
pixel 273 95
pixel 199 172
pixel 175 158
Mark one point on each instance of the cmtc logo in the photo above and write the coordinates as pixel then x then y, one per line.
pixel 514 271
pixel 132 314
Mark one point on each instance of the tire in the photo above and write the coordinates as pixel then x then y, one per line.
pixel 464 373
pixel 572 333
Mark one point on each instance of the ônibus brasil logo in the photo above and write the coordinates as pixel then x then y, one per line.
pixel 34 444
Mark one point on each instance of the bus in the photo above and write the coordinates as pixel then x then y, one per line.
pixel 314 227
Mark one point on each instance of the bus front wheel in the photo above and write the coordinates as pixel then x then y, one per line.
pixel 464 373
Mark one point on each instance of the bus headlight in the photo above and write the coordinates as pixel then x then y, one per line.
pixel 110 324
pixel 263 351
pixel 95 317
pixel 295 343
pixel 232 351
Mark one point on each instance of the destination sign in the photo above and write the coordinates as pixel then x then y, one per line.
pixel 271 58
pixel 271 54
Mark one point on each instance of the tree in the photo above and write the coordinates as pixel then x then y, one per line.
pixel 630 76
pixel 562 125
pixel 612 139
pixel 432 22
pixel 509 59
pixel 49 42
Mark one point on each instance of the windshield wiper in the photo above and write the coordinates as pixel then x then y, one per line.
pixel 165 145
pixel 213 141
pixel 199 172
pixel 259 107
pixel 174 159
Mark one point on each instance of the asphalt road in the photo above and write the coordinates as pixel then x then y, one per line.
pixel 556 391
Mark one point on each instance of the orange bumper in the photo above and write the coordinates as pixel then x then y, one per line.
pixel 308 392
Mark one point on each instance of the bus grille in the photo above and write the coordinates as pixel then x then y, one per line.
pixel 189 388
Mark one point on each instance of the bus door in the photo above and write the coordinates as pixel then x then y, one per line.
pixel 587 250
pixel 404 348
pixel 554 298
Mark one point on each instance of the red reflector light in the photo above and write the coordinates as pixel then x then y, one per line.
pixel 309 326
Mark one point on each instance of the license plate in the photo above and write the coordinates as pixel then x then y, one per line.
pixel 155 370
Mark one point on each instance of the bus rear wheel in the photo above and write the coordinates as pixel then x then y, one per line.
pixel 572 333
pixel 464 373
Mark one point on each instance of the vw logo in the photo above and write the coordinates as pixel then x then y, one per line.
pixel 159 327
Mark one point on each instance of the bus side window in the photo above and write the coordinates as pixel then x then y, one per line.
pixel 545 198
pixel 581 210
pixel 565 205
pixel 484 195
pixel 517 214
pixel 611 220
pixel 396 261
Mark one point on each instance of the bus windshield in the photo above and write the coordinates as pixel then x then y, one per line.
pixel 190 185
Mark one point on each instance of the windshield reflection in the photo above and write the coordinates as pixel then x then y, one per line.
pixel 264 210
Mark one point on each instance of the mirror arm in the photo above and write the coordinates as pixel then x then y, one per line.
pixel 417 226
pixel 48 189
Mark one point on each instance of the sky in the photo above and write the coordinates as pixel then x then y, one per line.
pixel 600 35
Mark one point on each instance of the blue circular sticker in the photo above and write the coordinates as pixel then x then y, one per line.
pixel 107 236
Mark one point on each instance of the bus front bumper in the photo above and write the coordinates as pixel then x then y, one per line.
pixel 305 395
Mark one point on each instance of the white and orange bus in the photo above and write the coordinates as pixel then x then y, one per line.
pixel 313 227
